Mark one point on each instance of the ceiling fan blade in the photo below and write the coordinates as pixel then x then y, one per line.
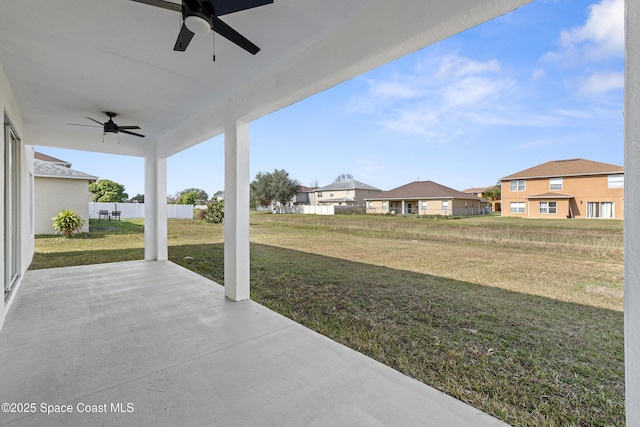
pixel 94 120
pixel 233 36
pixel 161 3
pixel 121 128
pixel 224 7
pixel 89 126
pixel 132 133
pixel 184 38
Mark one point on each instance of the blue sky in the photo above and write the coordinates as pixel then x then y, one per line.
pixel 542 83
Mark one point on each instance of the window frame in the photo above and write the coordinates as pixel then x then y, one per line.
pixel 514 185
pixel 548 209
pixel 616 179
pixel 517 210
pixel 552 183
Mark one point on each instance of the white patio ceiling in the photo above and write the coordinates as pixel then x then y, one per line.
pixel 67 59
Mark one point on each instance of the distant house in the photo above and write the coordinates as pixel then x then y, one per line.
pixel 348 192
pixel 573 188
pixel 480 193
pixel 425 198
pixel 58 187
pixel 305 196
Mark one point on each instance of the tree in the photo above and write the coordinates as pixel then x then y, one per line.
pixel 492 193
pixel 105 190
pixel 273 186
pixel 192 196
pixel 343 177
pixel 138 198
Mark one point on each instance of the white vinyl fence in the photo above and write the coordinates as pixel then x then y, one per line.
pixel 136 210
pixel 306 209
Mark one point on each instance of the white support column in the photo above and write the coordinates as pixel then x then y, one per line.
pixel 631 210
pixel 236 211
pixel 155 209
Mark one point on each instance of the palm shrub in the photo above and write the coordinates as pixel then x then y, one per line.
pixel 214 212
pixel 67 223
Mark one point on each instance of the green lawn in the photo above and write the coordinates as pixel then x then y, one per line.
pixel 520 318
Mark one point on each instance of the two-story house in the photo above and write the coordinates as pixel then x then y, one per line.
pixel 347 192
pixel 573 188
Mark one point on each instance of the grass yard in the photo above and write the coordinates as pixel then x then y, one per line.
pixel 520 318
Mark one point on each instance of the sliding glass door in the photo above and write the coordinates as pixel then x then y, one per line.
pixel 11 207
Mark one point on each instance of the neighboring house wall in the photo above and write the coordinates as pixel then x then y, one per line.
pixel 442 206
pixel 56 194
pixel 357 195
pixel 581 196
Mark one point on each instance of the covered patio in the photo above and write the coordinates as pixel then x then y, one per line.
pixel 99 333
pixel 151 343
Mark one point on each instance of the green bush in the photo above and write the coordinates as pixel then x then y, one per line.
pixel 214 212
pixel 67 223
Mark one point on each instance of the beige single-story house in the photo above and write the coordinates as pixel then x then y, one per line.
pixel 347 192
pixel 425 198
pixel 56 188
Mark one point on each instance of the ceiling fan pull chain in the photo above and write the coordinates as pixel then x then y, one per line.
pixel 213 35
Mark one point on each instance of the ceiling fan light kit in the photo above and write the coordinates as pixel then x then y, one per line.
pixel 197 24
pixel 201 17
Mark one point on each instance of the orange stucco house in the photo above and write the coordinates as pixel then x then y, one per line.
pixel 573 188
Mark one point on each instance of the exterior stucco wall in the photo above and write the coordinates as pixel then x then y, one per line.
pixel 358 195
pixel 56 194
pixel 433 206
pixel 584 189
pixel 10 109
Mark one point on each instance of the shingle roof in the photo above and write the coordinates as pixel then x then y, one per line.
pixel 52 170
pixel 422 190
pixel 570 167
pixel 303 189
pixel 47 158
pixel 550 195
pixel 475 190
pixel 347 184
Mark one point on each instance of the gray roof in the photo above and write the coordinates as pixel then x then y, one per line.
pixel 347 184
pixel 52 170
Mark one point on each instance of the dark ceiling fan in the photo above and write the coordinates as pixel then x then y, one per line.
pixel 201 16
pixel 111 127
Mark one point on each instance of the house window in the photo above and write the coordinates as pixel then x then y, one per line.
pixel 330 194
pixel 370 205
pixel 348 193
pixel 319 193
pixel 384 206
pixel 445 205
pixel 517 207
pixel 616 181
pixel 555 183
pixel 424 205
pixel 517 185
pixel 548 208
pixel 599 209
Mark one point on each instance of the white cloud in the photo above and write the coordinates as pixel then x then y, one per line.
pixel 603 33
pixel 457 66
pixel 392 89
pixel 537 74
pixel 601 82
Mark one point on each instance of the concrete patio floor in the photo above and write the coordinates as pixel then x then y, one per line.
pixel 151 343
